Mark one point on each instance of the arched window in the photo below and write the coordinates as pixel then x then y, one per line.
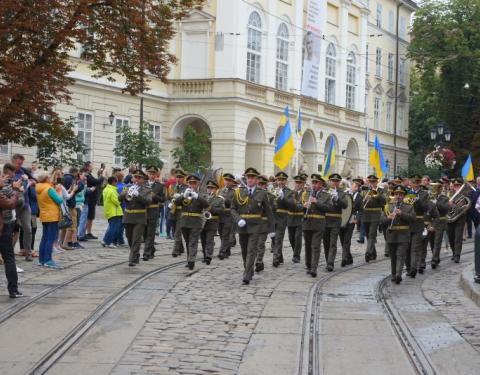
pixel 351 79
pixel 330 67
pixel 254 47
pixel 281 79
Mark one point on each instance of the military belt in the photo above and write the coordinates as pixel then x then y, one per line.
pixel 214 218
pixel 264 218
pixel 419 216
pixel 399 227
pixel 193 214
pixel 227 210
pixel 250 216
pixel 333 215
pixel 442 218
pixel 295 213
pixel 154 206
pixel 372 209
pixel 282 211
pixel 315 216
pixel 140 211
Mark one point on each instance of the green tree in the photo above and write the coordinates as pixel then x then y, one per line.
pixel 194 152
pixel 53 149
pixel 138 148
pixel 446 48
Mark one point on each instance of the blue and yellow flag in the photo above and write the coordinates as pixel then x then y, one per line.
pixel 377 161
pixel 467 170
pixel 330 159
pixel 284 149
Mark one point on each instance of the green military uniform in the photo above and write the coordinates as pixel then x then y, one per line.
pixel 216 207
pixel 383 222
pixel 420 205
pixel 281 216
pixel 225 221
pixel 333 223
pixel 431 215
pixel 176 215
pixel 296 211
pixel 263 232
pixel 153 215
pixel 347 232
pixel 372 211
pixel 137 199
pixel 314 225
pixel 455 229
pixel 440 225
pixel 191 221
pixel 398 234
pixel 248 207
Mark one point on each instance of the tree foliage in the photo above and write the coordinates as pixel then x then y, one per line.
pixel 446 48
pixel 194 153
pixel 54 150
pixel 119 38
pixel 138 148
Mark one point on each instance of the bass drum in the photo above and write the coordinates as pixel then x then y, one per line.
pixel 347 212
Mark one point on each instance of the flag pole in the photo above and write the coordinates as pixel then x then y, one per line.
pixel 367 138
pixel 296 141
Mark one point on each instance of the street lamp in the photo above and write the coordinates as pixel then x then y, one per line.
pixel 111 117
pixel 439 132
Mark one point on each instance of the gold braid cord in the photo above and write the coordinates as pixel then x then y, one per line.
pixel 304 197
pixel 241 201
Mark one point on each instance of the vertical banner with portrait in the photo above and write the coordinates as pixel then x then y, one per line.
pixel 311 49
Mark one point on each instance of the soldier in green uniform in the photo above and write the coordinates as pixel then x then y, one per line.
pixel 400 216
pixel 281 215
pixel 347 232
pixel 455 228
pixel 317 202
pixel 153 211
pixel 334 220
pixel 191 220
pixel 137 198
pixel 440 223
pixel 419 197
pixel 374 201
pixel 248 206
pixel 431 215
pixel 225 226
pixel 397 180
pixel 263 232
pixel 215 208
pixel 296 210
pixel 176 192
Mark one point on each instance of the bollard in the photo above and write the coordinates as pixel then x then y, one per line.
pixel 477 254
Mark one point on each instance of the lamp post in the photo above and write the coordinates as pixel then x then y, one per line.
pixel 438 134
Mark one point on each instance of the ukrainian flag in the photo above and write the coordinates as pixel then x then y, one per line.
pixel 467 170
pixel 284 149
pixel 330 160
pixel 377 160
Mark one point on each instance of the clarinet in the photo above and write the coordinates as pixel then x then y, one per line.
pixel 313 194
pixel 397 205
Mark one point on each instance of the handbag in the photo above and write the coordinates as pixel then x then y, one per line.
pixel 66 221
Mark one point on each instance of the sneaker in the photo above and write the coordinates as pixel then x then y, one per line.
pixel 112 246
pixel 40 264
pixel 16 294
pixel 58 250
pixel 52 264
pixel 76 245
pixel 163 234
pixel 91 236
pixel 19 270
pixel 82 239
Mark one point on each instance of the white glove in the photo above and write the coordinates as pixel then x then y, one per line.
pixel 131 189
pixel 135 193
pixel 170 206
pixel 176 196
pixel 194 195
pixel 271 235
pixel 242 223
pixel 434 201
pixel 281 194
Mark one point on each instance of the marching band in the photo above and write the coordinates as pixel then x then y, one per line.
pixel 413 214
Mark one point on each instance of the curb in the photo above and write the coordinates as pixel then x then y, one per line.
pixel 471 289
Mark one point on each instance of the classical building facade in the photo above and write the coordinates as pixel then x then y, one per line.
pixel 240 64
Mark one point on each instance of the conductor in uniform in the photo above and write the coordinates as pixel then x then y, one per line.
pixel 137 198
pixel 248 206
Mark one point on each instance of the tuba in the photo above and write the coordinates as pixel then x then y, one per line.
pixel 461 204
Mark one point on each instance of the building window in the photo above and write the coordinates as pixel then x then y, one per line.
pixel 389 116
pixel 281 79
pixel 378 62
pixel 402 28
pixel 119 124
pixel 376 113
pixel 390 67
pixel 402 72
pixel 155 132
pixel 351 80
pixel 379 15
pixel 254 47
pixel 4 150
pixel 366 59
pixel 330 66
pixel 390 20
pixel 84 134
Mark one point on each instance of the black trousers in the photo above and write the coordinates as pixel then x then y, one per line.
pixel 6 249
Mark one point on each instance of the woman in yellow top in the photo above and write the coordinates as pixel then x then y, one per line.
pixel 113 212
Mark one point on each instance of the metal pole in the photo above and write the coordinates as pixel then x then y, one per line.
pixel 397 59
pixel 477 255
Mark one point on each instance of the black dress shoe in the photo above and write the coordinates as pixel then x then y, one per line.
pixel 296 260
pixel 275 263
pixel 308 271
pixel 259 267
pixel 453 257
pixel 313 274
pixel 146 258
pixel 387 255
pixel 367 257
pixel 360 241
pixel 398 279
pixel 221 257
pixel 191 265
pixel 412 273
pixel 246 282
pixel 281 260
pixel 208 261
pixel 434 265
pixel 393 278
pixel 136 261
pixel 344 263
pixel 374 256
pixel 131 264
pixel 174 255
pixel 16 294
pixel 330 267
pixel 457 259
pixel 204 260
